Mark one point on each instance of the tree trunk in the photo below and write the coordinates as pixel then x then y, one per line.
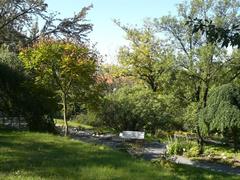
pixel 200 141
pixel 205 96
pixel 65 114
pixel 235 138
pixel 202 104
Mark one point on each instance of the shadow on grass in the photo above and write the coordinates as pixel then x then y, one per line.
pixel 51 157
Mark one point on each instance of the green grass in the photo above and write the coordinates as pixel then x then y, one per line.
pixel 25 155
pixel 72 123
pixel 78 124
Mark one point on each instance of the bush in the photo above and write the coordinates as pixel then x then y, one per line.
pixel 193 151
pixel 183 146
pixel 20 97
pixel 135 108
pixel 175 148
pixel 89 118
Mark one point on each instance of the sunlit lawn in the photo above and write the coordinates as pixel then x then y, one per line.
pixel 78 124
pixel 25 155
pixel 72 123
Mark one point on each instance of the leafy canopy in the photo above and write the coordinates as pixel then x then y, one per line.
pixel 146 57
pixel 60 64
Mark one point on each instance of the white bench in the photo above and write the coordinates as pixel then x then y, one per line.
pixel 132 135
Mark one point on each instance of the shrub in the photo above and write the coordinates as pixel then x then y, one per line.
pixel 89 118
pixel 175 148
pixel 193 151
pixel 21 97
pixel 183 146
pixel 135 108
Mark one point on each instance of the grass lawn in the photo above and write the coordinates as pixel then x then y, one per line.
pixel 60 122
pixel 78 124
pixel 25 155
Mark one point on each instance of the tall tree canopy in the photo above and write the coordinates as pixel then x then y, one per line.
pixel 145 58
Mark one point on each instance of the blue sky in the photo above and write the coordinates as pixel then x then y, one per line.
pixel 105 33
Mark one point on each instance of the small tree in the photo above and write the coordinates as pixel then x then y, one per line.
pixel 223 112
pixel 62 66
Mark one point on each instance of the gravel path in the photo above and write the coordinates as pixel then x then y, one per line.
pixel 154 150
pixel 150 151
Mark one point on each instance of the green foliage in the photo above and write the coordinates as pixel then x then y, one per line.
pixel 200 60
pixel 20 97
pixel 145 58
pixel 64 67
pixel 114 77
pixel 10 59
pixel 182 146
pixel 90 117
pixel 135 108
pixel 200 63
pixel 223 111
pixel 39 113
pixel 190 116
pixel 175 148
pixel 61 63
pixel 193 151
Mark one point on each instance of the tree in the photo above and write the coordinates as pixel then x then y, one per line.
pixel 145 57
pixel 222 112
pixel 62 66
pixel 18 23
pixel 199 58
